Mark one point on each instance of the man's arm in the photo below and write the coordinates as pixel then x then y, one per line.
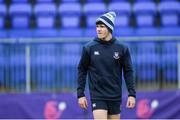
pixel 128 73
pixel 129 78
pixel 82 73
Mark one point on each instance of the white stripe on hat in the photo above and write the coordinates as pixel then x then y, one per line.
pixel 106 23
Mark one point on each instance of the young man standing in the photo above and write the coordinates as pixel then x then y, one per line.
pixel 104 59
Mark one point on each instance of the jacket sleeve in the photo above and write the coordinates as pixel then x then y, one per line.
pixel 82 72
pixel 128 73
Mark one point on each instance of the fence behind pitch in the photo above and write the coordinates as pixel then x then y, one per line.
pixel 42 65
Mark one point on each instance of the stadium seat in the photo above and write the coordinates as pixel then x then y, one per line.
pixel 169 66
pixel 17 67
pixel 3 13
pixel 19 33
pixel 118 1
pixel 45 1
pixel 124 31
pixel 45 14
pixel 70 15
pixel 44 33
pixel 89 32
pixel 144 0
pixel 147 31
pixel 20 1
pixel 169 31
pixel 70 1
pixel 169 48
pixel 20 18
pixel 123 11
pixel 3 33
pixel 169 13
pixel 148 47
pixel 69 63
pixel 144 13
pixel 1 1
pixel 147 60
pixel 147 64
pixel 70 32
pixel 44 71
pixel 44 65
pixel 168 0
pixel 97 1
pixel 71 48
pixel 2 65
pixel 92 11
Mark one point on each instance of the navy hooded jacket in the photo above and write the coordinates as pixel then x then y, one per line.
pixel 104 62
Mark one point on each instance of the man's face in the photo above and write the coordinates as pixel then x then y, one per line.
pixel 102 31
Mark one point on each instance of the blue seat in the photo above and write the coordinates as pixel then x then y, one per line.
pixel 44 33
pixel 19 1
pixel 97 1
pixel 19 33
pixel 146 74
pixel 75 48
pixel 45 1
pixel 169 31
pixel 168 0
pixel 3 13
pixel 1 1
pixel 44 49
pixel 17 66
pixel 144 13
pixel 169 48
pixel 124 31
pixel 147 60
pixel 123 11
pixel 118 1
pixel 169 63
pixel 147 31
pixel 70 32
pixel 147 64
pixel 70 15
pixel 44 70
pixel 3 33
pixel 148 47
pixel 89 32
pixel 2 65
pixel 45 14
pixel 92 11
pixel 169 13
pixel 20 18
pixel 144 0
pixel 44 65
pixel 69 63
pixel 70 1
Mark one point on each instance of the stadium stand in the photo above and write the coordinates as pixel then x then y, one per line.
pixel 75 19
pixel 3 13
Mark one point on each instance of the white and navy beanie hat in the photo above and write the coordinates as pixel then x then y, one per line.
pixel 108 19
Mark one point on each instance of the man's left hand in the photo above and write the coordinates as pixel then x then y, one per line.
pixel 130 102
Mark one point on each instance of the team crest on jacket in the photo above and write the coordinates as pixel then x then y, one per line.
pixel 116 55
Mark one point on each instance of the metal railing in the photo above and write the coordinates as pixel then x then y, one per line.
pixel 50 64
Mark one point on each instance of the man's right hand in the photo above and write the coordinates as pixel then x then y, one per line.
pixel 83 102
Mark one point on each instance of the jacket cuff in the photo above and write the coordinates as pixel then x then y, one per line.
pixel 132 95
pixel 80 95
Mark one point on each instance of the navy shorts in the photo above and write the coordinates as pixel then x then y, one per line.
pixel 112 107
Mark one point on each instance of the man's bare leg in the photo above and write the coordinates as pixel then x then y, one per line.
pixel 114 117
pixel 100 114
